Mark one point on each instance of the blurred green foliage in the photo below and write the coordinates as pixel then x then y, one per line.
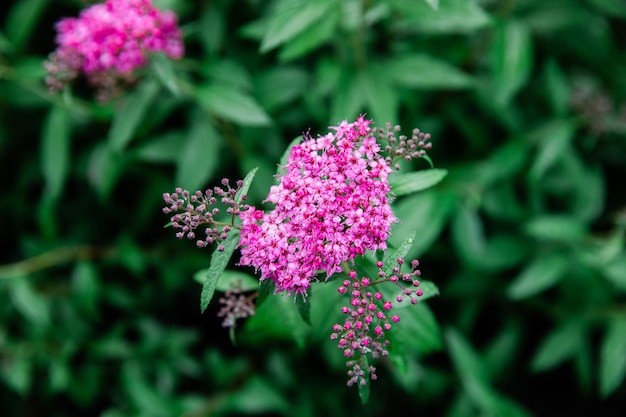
pixel 526 101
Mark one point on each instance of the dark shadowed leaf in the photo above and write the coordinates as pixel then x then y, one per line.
pixel 55 150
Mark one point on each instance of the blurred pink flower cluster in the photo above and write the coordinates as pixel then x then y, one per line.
pixel 331 205
pixel 109 41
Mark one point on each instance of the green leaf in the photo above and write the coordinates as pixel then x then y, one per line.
pixel 391 257
pixel 21 21
pixel 143 395
pixel 55 151
pixel 433 3
pixel 293 82
pixel 425 213
pixel 412 182
pixel 228 72
pixel 164 71
pixel 219 261
pixel 163 148
pixel 291 17
pixel 468 235
pixel 18 372
pixel 417 332
pixel 512 60
pixel 426 72
pixel 349 99
pixel 86 287
pixel 304 308
pixel 266 289
pixel 452 16
pixel 381 97
pixel 235 279
pixel 560 228
pixel 560 345
pixel 104 169
pixel 557 88
pixel 615 272
pixel 553 139
pixel 200 155
pixel 312 38
pixel 613 357
pixel 231 104
pixel 131 113
pixel 31 305
pixel 247 181
pixel 544 272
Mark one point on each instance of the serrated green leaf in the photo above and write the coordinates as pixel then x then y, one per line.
pixel 544 272
pixel 219 262
pixel 412 182
pixel 200 155
pixel 231 104
pixel 613 357
pixel 291 17
pixel 55 150
pixel 560 345
pixel 131 113
pixel 512 60
pixel 426 72
pixel 247 181
pixel 391 257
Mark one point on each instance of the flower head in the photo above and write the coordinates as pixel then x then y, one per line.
pixel 330 205
pixel 109 41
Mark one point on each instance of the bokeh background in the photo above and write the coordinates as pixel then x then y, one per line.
pixel 526 103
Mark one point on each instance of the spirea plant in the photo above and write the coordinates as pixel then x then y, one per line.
pixel 329 221
pixel 110 42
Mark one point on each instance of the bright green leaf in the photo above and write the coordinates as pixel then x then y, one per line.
pixel 553 138
pixel 452 16
pixel 131 113
pixel 164 71
pixel 55 150
pixel 512 60
pixel 403 184
pixel 613 357
pixel 28 302
pixel 200 155
pixel 433 3
pixel 312 38
pixel 560 344
pixel 234 279
pixel 231 104
pixel 391 257
pixel 291 17
pixel 426 72
pixel 544 272
pixel 247 182
pixel 219 262
pixel 555 227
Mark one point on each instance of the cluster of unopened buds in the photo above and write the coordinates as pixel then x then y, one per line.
pixel 236 304
pixel 403 147
pixel 368 317
pixel 193 210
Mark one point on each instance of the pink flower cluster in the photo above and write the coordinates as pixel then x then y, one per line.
pixel 108 41
pixel 331 205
